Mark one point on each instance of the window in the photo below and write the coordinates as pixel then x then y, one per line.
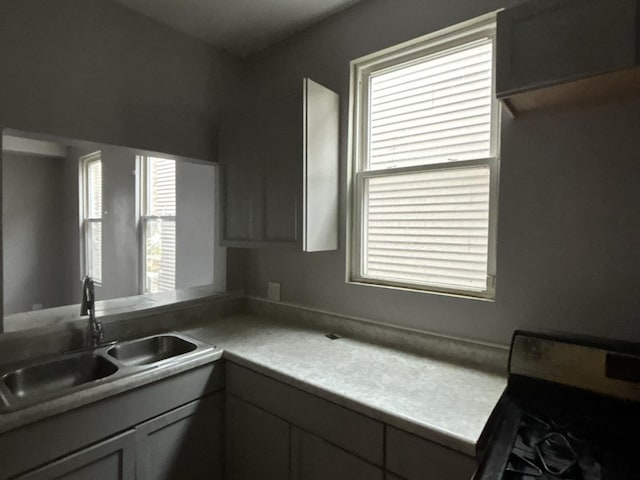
pixel 424 154
pixel 91 207
pixel 158 223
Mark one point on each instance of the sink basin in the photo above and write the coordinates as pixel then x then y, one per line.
pixel 150 350
pixel 41 380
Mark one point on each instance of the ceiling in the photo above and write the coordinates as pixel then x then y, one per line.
pixel 241 27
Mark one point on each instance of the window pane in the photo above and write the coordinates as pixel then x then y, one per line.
pixel 160 255
pixel 428 228
pixel 435 110
pixel 94 251
pixel 94 189
pixel 161 187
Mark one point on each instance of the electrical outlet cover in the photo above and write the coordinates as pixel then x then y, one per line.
pixel 273 291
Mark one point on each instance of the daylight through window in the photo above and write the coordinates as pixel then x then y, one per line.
pixel 425 125
pixel 92 215
pixel 158 218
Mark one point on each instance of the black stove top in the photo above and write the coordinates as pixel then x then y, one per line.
pixel 544 430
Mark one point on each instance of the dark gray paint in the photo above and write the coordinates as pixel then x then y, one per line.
pixel 314 459
pixel 568 221
pixel 257 443
pixel 65 433
pixel 113 459
pixel 345 428
pixel 537 48
pixel 34 243
pixel 187 442
pixel 415 458
pixel 98 71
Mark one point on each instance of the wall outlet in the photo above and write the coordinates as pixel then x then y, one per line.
pixel 273 291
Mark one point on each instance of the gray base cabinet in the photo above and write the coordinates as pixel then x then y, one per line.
pixel 278 432
pixel 173 428
pixel 315 459
pixel 257 443
pixel 184 443
pixel 113 459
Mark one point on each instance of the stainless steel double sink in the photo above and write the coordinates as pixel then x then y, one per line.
pixel 37 381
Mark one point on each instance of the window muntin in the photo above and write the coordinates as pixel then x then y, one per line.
pixel 91 206
pixel 425 122
pixel 158 223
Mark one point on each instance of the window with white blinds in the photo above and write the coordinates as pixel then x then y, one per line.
pixel 91 207
pixel 158 219
pixel 425 125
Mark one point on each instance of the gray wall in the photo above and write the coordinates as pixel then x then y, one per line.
pixel 195 192
pixel 120 251
pixel 34 244
pixel 97 71
pixel 569 211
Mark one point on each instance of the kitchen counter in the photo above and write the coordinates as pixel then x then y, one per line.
pixel 441 401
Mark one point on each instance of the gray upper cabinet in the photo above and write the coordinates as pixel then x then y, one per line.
pixel 113 459
pixel 552 52
pixel 280 173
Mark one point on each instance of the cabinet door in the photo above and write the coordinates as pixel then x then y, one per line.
pixel 257 443
pixel 113 459
pixel 415 458
pixel 184 443
pixel 545 42
pixel 241 179
pixel 281 157
pixel 315 459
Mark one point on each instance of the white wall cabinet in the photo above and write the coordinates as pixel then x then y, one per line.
pixel 280 173
pixel 551 52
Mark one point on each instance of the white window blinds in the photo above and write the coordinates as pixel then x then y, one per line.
pixel 92 212
pixel 159 224
pixel 435 110
pixel 426 166
pixel 429 228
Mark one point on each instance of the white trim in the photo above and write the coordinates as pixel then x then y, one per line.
pixel 361 71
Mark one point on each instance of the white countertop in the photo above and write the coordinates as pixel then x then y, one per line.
pixel 438 400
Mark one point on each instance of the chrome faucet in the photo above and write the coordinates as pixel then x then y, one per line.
pixel 88 307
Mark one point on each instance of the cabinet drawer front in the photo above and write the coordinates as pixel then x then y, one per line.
pixel 413 457
pixel 315 459
pixel 545 42
pixel 350 430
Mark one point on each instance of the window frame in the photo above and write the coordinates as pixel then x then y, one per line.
pixel 86 220
pixel 142 192
pixel 361 71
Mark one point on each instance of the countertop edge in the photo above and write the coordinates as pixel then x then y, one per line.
pixel 429 432
pixel 20 418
